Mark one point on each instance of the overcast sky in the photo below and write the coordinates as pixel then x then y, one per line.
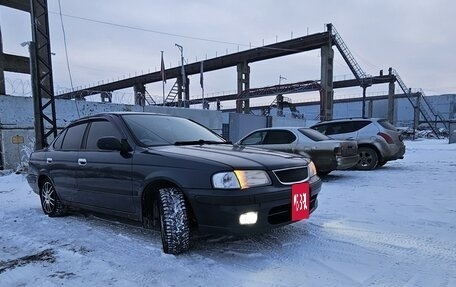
pixel 417 38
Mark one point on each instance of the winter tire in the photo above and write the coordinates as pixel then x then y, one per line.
pixel 368 158
pixel 174 223
pixel 50 202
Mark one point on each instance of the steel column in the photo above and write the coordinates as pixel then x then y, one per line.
pixel 140 94
pixel 326 92
pixel 2 67
pixel 279 100
pixel 391 92
pixel 243 84
pixel 41 71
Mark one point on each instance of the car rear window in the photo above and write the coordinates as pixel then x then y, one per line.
pixel 314 135
pixel 387 125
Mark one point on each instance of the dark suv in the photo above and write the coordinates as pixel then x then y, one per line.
pixel 172 173
pixel 378 140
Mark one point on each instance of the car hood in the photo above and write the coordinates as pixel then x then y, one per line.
pixel 235 156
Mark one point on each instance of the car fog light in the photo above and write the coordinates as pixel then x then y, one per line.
pixel 248 218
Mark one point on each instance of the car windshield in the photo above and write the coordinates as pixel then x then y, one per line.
pixel 314 135
pixel 153 130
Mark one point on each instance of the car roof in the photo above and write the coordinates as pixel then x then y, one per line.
pixel 122 113
pixel 350 119
pixel 110 114
pixel 279 128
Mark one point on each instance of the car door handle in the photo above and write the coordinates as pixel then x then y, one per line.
pixel 82 161
pixel 49 160
pixel 350 138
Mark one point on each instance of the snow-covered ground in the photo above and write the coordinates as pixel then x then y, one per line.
pixel 394 226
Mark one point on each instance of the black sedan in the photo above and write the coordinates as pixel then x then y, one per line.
pixel 172 173
pixel 328 154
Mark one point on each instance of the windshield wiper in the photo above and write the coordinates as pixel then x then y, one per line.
pixel 200 142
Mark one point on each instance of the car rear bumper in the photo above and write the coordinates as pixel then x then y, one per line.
pixel 398 155
pixel 220 213
pixel 32 180
pixel 346 162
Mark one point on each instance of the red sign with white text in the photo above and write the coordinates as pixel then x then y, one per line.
pixel 300 201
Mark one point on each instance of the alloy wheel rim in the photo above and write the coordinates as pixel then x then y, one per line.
pixel 366 159
pixel 48 197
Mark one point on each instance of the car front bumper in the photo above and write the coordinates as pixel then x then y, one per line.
pixel 220 213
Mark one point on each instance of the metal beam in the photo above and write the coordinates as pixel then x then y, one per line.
pixel 298 45
pixel 354 82
pixel 336 101
pixel 16 64
pixel 293 88
pixel 23 5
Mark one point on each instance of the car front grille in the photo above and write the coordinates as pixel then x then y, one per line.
pixel 289 176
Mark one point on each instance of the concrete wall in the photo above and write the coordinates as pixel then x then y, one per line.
pixel 15 156
pixel 17 118
pixel 242 124
pixel 287 122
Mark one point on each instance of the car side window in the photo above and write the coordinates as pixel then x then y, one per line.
pixel 360 124
pixel 58 142
pixel 73 137
pixel 335 129
pixel 279 137
pixel 340 128
pixel 253 139
pixel 99 129
pixel 347 127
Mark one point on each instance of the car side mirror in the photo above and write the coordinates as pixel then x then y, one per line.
pixel 109 143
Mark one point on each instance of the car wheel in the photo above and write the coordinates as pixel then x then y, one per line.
pixel 174 223
pixel 50 202
pixel 368 158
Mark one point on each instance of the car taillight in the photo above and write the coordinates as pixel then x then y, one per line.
pixel 337 151
pixel 386 137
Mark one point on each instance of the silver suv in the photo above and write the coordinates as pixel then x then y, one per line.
pixel 378 140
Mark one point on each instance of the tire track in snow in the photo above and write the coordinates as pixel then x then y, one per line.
pixel 442 252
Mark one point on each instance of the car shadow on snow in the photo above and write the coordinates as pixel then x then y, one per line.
pixel 264 244
pixel 335 176
pixel 269 243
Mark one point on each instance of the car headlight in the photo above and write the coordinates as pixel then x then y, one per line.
pixel 312 169
pixel 240 179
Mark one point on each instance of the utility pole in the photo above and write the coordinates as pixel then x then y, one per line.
pixel 162 70
pixel 184 82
